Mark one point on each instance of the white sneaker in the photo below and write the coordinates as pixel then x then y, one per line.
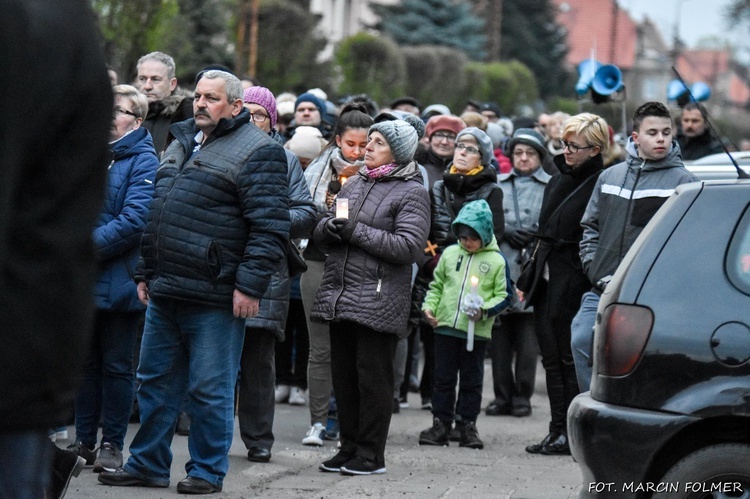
pixel 314 435
pixel 297 396
pixel 282 394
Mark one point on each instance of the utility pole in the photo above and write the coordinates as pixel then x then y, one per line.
pixel 253 56
pixel 492 12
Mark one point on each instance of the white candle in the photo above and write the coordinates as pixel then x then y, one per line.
pixel 470 337
pixel 474 284
pixel 342 207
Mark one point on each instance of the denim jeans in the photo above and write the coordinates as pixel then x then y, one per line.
pixel 107 381
pixel 452 358
pixel 193 348
pixel 25 464
pixel 582 338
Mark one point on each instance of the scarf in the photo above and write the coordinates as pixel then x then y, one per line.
pixel 380 171
pixel 341 169
pixel 474 171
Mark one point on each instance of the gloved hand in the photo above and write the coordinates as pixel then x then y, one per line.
pixel 517 238
pixel 331 230
pixel 344 227
pixel 475 315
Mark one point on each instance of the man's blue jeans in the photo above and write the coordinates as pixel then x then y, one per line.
pixel 108 380
pixel 193 348
pixel 582 338
pixel 25 464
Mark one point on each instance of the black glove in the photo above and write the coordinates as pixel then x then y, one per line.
pixel 344 227
pixel 517 238
pixel 331 230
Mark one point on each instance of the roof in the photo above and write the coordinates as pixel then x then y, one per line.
pixel 599 25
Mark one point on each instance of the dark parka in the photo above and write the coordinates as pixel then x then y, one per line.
pixel 162 114
pixel 274 306
pixel 704 144
pixel 220 218
pixel 117 235
pixel 455 190
pixel 368 280
pixel 560 234
pixel 53 165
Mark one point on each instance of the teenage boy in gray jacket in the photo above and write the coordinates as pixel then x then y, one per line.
pixel 625 198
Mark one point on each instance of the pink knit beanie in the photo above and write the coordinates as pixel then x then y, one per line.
pixel 264 98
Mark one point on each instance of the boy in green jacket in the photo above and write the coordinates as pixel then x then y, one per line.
pixel 473 266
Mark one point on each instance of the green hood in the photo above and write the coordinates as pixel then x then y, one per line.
pixel 477 215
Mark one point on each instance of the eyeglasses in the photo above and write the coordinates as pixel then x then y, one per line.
pixel 258 117
pixel 573 147
pixel 469 149
pixel 120 111
pixel 519 153
pixel 443 136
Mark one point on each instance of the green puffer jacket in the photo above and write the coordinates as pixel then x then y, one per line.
pixel 452 278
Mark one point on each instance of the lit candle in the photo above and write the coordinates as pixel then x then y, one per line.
pixel 474 284
pixel 342 207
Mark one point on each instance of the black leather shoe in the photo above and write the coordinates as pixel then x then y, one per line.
pixel 537 448
pixel 195 485
pixel 495 409
pixel 557 447
pixel 121 478
pixel 259 455
pixel 522 411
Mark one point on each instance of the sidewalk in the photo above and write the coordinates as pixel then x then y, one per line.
pixel 503 469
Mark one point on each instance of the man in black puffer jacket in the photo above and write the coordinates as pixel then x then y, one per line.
pixel 216 233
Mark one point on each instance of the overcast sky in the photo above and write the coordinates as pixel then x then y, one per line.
pixel 698 18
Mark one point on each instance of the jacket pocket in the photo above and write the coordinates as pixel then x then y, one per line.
pixel 213 260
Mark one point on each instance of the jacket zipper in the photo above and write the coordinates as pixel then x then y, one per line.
pixel 629 215
pixel 463 286
pixel 346 257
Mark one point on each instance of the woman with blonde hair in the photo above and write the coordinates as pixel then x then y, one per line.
pixel 555 282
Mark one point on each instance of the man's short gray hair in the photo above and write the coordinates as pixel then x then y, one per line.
pixel 159 57
pixel 233 84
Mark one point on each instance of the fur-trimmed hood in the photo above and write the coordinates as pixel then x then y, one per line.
pixel 169 106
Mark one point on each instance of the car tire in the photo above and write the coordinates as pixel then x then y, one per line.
pixel 693 475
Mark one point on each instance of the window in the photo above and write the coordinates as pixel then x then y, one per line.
pixel 737 264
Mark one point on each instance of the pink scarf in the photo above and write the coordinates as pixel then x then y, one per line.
pixel 381 171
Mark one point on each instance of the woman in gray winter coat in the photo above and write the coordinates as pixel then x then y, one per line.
pixel 366 289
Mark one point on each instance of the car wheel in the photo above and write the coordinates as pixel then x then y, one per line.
pixel 715 472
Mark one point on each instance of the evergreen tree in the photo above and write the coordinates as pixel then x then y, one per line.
pixel 433 22
pixel 531 35
pixel 289 48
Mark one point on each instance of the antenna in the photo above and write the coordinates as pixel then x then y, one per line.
pixel 740 172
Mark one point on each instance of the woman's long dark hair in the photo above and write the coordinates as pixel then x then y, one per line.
pixel 353 115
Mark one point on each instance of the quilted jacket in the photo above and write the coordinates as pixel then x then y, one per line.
pixel 220 217
pixel 274 306
pixel 368 280
pixel 117 234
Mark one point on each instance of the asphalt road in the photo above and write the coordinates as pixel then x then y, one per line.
pixel 501 470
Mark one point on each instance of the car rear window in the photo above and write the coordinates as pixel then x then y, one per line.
pixel 738 257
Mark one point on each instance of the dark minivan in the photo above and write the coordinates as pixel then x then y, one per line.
pixel 668 414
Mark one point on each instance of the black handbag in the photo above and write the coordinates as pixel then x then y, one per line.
pixel 527 277
pixel 297 264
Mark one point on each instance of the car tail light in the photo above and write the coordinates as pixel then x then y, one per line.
pixel 625 329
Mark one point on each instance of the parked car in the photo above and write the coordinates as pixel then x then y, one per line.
pixel 668 414
pixel 719 166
